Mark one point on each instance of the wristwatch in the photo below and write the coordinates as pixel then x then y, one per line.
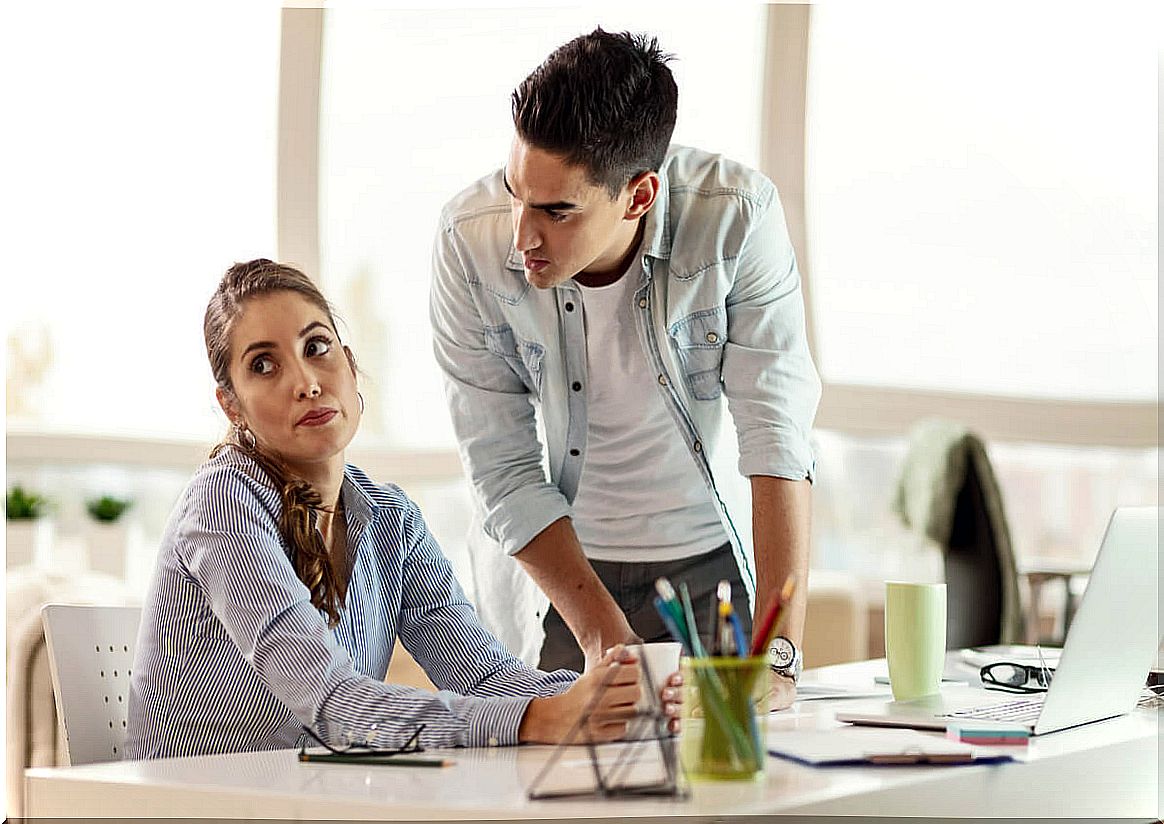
pixel 784 658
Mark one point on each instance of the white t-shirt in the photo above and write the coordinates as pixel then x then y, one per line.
pixel 641 496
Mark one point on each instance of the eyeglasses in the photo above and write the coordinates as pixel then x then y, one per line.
pixel 365 747
pixel 1004 675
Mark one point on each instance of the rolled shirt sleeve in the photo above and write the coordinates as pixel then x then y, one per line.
pixel 768 375
pixel 492 413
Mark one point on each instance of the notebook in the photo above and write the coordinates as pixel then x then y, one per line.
pixel 1106 656
pixel 847 746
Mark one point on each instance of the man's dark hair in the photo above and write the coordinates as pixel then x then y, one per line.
pixel 603 101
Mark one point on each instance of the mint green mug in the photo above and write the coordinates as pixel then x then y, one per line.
pixel 915 638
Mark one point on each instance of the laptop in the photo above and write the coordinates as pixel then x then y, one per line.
pixel 1106 656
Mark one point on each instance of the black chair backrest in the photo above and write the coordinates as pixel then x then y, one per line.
pixel 973 573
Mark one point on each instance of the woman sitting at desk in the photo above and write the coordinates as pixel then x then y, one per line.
pixel 285 576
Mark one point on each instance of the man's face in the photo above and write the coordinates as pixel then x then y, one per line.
pixel 563 224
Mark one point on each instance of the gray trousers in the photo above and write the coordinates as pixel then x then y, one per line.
pixel 633 587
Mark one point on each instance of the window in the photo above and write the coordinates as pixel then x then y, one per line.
pixel 415 107
pixel 980 214
pixel 142 167
pixel 981 199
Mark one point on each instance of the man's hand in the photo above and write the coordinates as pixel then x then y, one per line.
pixel 555 561
pixel 781 691
pixel 595 656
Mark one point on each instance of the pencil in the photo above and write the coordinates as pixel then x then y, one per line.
pixel 377 760
pixel 772 619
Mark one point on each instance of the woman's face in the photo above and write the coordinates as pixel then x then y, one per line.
pixel 294 384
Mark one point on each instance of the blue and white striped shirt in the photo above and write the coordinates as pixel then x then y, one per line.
pixel 232 656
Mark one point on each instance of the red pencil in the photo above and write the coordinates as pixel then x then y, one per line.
pixel 771 622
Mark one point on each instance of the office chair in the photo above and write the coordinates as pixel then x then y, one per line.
pixel 90 652
pixel 948 494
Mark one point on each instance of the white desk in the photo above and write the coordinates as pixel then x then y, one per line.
pixel 1110 769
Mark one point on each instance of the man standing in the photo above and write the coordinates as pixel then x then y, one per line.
pixel 595 305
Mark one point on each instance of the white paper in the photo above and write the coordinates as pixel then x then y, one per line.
pixel 854 743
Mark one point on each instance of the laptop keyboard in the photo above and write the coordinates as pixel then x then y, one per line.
pixel 1020 711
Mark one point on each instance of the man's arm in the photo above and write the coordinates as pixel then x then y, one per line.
pixel 773 390
pixel 781 516
pixel 555 561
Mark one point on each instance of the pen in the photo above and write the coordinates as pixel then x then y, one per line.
pixel 689 614
pixel 713 619
pixel 920 758
pixel 738 632
pixel 672 627
pixel 723 637
pixel 378 760
pixel 667 594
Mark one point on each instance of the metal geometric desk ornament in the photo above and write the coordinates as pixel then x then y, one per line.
pixel 615 779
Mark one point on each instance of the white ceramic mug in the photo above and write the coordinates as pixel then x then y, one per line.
pixel 661 660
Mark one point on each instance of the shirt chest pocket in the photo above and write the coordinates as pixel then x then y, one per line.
pixel 522 356
pixel 699 339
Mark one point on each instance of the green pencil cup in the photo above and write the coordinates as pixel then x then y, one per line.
pixel 725 707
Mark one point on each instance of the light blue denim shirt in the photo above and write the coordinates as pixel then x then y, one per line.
pixel 721 320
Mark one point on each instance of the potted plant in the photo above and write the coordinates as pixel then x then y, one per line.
pixel 108 537
pixel 27 533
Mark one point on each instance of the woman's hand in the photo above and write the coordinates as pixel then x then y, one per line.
pixel 550 720
pixel 671 698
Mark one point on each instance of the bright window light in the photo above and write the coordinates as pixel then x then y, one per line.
pixel 982 197
pixel 139 164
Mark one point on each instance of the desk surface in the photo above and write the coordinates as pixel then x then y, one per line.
pixel 1109 769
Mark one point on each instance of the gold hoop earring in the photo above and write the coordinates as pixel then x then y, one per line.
pixel 243 432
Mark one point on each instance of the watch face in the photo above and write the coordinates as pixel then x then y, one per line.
pixel 781 651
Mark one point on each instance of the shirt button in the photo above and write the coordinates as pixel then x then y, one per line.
pixel 697 446
pixel 642 303
pixel 575 453
pixel 569 306
pixel 662 380
pixel 493 742
pixel 576 386
pixel 712 337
